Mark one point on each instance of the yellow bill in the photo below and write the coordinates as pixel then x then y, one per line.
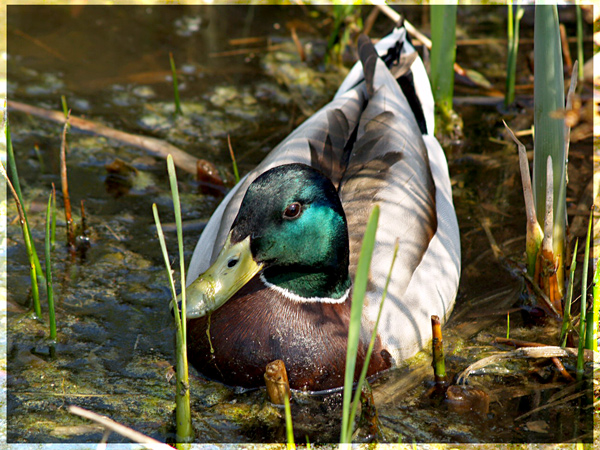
pixel 233 268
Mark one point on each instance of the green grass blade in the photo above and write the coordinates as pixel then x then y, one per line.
pixel 289 429
pixel 185 432
pixel 163 247
pixel 178 110
pixel 568 300
pixel 582 317
pixel 28 245
pixel 360 288
pixel 235 167
pixel 49 287
pixel 550 131
pixel 513 51
pixel 443 55
pixel 363 373
pixel 182 393
pixel 592 331
pixel 177 210
pixel 12 167
pixel 53 229
pixel 579 44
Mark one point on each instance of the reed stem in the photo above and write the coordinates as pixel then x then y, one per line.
pixel 49 286
pixel 178 110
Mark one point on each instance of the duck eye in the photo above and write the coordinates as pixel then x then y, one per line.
pixel 232 262
pixel 292 211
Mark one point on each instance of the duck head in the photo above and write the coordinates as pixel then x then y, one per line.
pixel 291 231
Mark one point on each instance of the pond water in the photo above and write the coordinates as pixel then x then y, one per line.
pixel 240 75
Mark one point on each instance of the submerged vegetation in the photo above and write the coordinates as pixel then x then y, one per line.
pixel 111 306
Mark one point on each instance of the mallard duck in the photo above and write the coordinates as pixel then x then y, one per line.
pixel 271 275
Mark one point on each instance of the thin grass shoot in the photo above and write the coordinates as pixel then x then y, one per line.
pixel 363 373
pixel 12 167
pixel 566 325
pixel 178 110
pixel 289 428
pixel 592 330
pixel 235 167
pixel 360 288
pixel 582 316
pixel 49 286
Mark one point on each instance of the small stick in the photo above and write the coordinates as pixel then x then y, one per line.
pixel 110 424
pixel 155 147
pixel 298 44
pixel 412 30
pixel 518 344
pixel 439 363
pixel 277 382
pixel 65 186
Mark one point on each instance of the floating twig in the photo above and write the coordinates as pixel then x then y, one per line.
pixel 154 146
pixel 127 432
pixel 519 344
pixel 525 352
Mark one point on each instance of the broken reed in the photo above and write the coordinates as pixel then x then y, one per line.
pixel 178 110
pixel 185 432
pixel 437 344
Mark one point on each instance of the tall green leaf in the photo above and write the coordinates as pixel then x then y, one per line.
pixel 443 55
pixel 549 97
pixel 358 295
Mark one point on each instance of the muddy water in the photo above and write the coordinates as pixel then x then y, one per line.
pixel 115 343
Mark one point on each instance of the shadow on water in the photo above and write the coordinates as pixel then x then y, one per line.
pixel 115 347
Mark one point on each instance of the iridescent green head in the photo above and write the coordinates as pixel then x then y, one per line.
pixel 298 231
pixel 290 230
